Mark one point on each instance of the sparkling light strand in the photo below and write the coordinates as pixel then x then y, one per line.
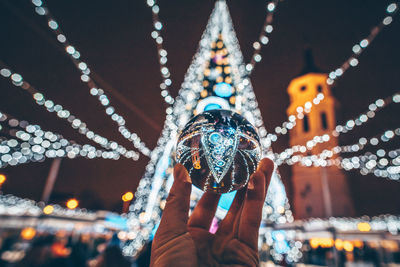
pixel 263 37
pixel 161 53
pixel 15 206
pixel 349 125
pixel 358 48
pixel 37 145
pixel 333 76
pixel 86 78
pixel 76 123
pixel 375 163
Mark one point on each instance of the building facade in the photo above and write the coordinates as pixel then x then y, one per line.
pixel 318 191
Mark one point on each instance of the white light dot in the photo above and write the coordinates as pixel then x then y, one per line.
pixel 5 72
pixel 158 25
pixel 53 24
pixel 16 77
pixel 70 49
pixel 61 38
pixel 391 8
pixel 356 49
pixel 364 43
pixel 353 62
pixel 264 40
pixel 271 6
pixel 82 66
pixel 387 20
pixel 269 28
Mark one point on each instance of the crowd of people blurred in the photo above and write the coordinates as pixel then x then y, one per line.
pixel 48 250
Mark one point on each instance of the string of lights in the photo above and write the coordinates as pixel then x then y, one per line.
pixel 263 37
pixel 76 123
pixel 352 61
pixel 375 163
pixel 161 53
pixel 349 125
pixel 86 78
pixel 358 48
pixel 15 206
pixel 328 153
pixel 32 144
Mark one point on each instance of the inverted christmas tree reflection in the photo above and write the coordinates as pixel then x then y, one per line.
pixel 220 149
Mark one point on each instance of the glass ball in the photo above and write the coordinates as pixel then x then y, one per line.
pixel 220 149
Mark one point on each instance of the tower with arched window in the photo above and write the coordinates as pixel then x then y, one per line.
pixel 317 191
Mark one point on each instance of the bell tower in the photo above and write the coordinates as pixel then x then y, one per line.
pixel 318 191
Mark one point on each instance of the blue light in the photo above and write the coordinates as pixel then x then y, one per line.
pixel 212 106
pixel 223 90
pixel 226 200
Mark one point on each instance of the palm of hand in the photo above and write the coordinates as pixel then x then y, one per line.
pixel 183 241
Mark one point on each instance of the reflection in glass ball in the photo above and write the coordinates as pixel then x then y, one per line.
pixel 220 149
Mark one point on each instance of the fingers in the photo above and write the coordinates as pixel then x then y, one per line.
pixel 204 211
pixel 175 216
pixel 254 201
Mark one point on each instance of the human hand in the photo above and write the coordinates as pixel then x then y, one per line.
pixel 183 241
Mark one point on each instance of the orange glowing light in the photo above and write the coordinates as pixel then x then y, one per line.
pixel 339 244
pixel 72 203
pixel 364 227
pixel 321 242
pixel 2 179
pixel 48 209
pixel 28 233
pixel 128 196
pixel 348 246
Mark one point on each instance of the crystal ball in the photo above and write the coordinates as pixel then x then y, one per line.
pixel 220 149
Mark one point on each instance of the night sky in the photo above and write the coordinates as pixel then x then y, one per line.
pixel 114 39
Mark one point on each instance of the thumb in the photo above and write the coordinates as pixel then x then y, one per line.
pixel 175 216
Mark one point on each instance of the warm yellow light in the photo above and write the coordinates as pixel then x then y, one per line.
pixel 72 203
pixel 28 233
pixel 364 227
pixel 204 93
pixel 48 209
pixel 339 244
pixel 2 179
pixel 323 242
pixel 128 196
pixel 348 246
pixel 358 243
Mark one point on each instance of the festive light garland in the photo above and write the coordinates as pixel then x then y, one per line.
pixel 37 145
pixel 161 53
pixel 333 76
pixel 389 223
pixel 263 37
pixel 86 78
pixel 375 163
pixel 349 125
pixel 14 206
pixel 76 123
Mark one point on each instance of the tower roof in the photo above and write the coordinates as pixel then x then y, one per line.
pixel 309 64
